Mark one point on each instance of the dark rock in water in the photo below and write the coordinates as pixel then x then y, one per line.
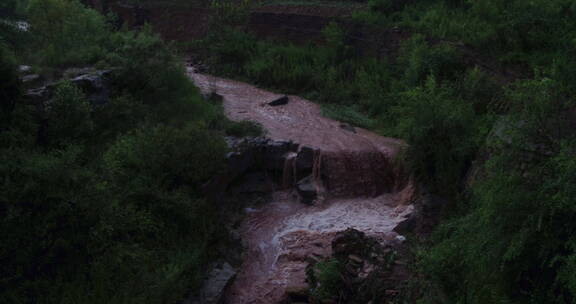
pixel 253 157
pixel 349 242
pixel 275 153
pixel 279 102
pixel 307 190
pixel 348 127
pixel 407 225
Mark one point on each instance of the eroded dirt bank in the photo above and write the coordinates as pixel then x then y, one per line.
pixel 358 184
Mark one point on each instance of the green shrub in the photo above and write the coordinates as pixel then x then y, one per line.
pixel 47 211
pixel 243 128
pixel 229 50
pixel 120 115
pixel 155 174
pixel 510 245
pixel 69 116
pixel 166 155
pixel 110 209
pixel 64 32
pixel 419 60
pixel 327 280
pixel 148 71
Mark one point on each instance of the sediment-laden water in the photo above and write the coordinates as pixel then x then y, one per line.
pixel 354 170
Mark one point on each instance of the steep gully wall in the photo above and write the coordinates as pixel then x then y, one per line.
pixel 297 24
pixel 300 25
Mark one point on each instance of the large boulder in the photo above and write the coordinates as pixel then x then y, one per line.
pixel 239 162
pixel 215 285
pixel 369 268
pixel 275 153
pixel 427 213
pixel 349 242
pixel 305 158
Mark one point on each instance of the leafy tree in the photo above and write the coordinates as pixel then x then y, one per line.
pixel 65 32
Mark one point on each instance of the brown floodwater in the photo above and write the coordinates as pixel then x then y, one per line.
pixel 362 188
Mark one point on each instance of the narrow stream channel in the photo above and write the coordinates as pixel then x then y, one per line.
pixel 363 189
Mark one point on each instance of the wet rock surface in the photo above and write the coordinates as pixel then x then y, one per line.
pixel 279 101
pixel 307 190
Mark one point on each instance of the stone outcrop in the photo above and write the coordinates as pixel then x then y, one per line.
pixel 94 84
pixel 261 165
pixel 370 271
pixel 217 281
pixel 427 212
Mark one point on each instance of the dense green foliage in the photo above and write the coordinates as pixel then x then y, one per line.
pixel 516 243
pixel 102 203
pixel 483 92
pixel 326 280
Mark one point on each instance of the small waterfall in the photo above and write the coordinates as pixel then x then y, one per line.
pixel 357 185
pixel 289 171
pixel 317 175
